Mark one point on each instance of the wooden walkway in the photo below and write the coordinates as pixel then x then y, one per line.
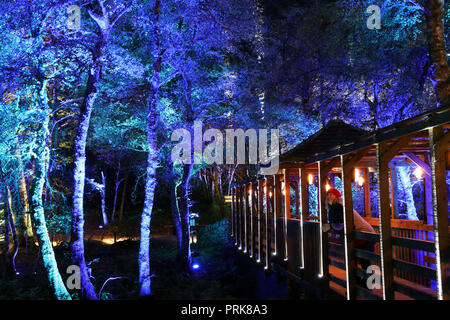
pixel 272 221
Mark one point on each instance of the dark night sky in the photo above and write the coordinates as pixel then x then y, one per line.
pixel 272 6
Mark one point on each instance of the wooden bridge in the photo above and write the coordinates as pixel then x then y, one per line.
pixel 271 219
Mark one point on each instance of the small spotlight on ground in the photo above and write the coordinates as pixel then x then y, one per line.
pixel 195 266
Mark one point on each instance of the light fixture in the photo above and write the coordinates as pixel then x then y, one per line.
pixel 356 174
pixel 418 172
pixel 310 178
pixel 327 187
pixel 360 181
pixel 195 266
pixel 270 194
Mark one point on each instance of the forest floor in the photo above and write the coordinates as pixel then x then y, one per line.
pixel 223 273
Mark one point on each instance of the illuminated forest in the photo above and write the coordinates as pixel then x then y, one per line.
pixel 93 205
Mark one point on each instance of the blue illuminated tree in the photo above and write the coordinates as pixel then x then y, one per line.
pixel 31 66
pixel 105 17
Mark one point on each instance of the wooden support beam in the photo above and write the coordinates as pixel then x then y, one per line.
pixel 383 158
pixel 304 199
pixel 350 261
pixel 287 211
pixel 267 189
pixel 260 217
pixel 240 225
pixel 252 219
pixel 277 209
pixel 439 142
pixel 396 147
pixel 326 167
pixel 352 161
pixel 323 236
pixel 425 167
pixel 367 208
pixel 245 191
pixel 233 212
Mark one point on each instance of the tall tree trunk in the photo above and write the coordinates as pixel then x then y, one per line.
pixel 103 196
pixel 122 202
pixel 26 219
pixel 152 161
pixel 36 205
pixel 150 185
pixel 183 190
pixel 117 183
pixel 77 236
pixel 4 266
pixel 183 187
pixel 175 211
pixel 438 52
pixel 11 223
pixel 405 179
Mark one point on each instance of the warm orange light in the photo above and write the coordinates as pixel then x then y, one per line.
pixel 356 174
pixel 270 194
pixel 418 172
pixel 327 187
pixel 310 179
pixel 360 181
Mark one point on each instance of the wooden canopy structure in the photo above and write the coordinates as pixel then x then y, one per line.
pixel 271 218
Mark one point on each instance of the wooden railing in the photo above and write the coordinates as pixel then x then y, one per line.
pixel 413 253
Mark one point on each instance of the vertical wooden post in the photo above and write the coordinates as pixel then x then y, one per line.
pixel 350 262
pixel 233 212
pixel 367 209
pixel 260 216
pixel 323 236
pixel 287 210
pixel 277 209
pixel 385 222
pixel 439 142
pixel 268 204
pixel 239 221
pixel 246 218
pixel 253 210
pixel 303 181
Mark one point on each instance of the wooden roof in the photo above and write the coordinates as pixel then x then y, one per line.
pixel 335 133
pixel 338 138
